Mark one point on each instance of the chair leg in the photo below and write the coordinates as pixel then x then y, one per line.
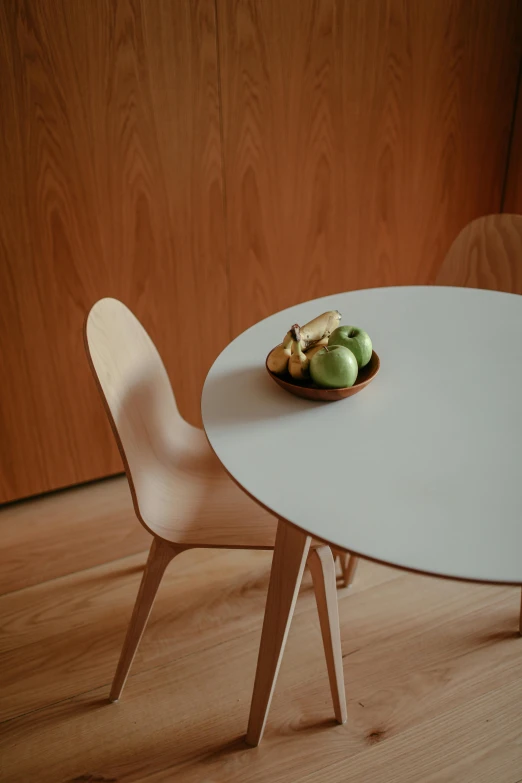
pixel 160 555
pixel 344 557
pixel 338 556
pixel 349 565
pixel 290 553
pixel 322 567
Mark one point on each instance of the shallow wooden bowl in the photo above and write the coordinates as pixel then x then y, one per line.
pixel 310 391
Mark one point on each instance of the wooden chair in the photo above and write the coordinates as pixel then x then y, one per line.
pixel 181 494
pixel 486 254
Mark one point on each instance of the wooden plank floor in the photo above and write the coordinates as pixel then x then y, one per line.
pixel 433 668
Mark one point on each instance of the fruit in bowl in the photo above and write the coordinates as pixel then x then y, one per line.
pixel 334 367
pixel 323 360
pixel 356 340
pixel 311 334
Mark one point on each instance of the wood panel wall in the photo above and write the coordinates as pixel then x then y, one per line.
pixel 212 161
pixel 359 138
pixel 512 201
pixel 110 185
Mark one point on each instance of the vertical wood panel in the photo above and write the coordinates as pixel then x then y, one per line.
pixel 513 193
pixel 359 137
pixel 111 184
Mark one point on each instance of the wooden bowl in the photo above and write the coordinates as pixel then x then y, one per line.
pixel 310 391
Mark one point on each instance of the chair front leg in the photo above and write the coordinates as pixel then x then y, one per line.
pixel 160 555
pixel 349 565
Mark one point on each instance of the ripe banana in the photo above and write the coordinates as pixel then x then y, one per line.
pixel 299 363
pixel 313 350
pixel 320 327
pixel 313 334
pixel 289 336
pixel 305 344
pixel 278 357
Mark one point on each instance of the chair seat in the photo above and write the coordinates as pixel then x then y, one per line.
pixel 185 496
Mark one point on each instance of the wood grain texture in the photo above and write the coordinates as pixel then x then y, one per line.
pixel 486 254
pixel 160 555
pixel 433 671
pixel 322 567
pixel 513 184
pixel 50 537
pixel 349 565
pixel 180 490
pixel 358 139
pixel 206 598
pixel 288 564
pixel 110 163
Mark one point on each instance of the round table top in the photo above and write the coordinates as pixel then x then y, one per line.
pixel 423 468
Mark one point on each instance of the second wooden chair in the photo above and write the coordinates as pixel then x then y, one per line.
pixel 487 253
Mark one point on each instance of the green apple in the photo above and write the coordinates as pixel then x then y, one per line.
pixel 334 367
pixel 357 341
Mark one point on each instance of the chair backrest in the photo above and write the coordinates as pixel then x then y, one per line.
pixel 138 395
pixel 486 254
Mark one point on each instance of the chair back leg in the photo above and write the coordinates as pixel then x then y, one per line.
pixel 349 565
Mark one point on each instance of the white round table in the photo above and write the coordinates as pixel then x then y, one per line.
pixel 423 468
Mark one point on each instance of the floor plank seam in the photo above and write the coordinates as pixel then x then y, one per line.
pixel 52 704
pixel 143 552
pixel 183 656
pixel 107 685
pixel 142 671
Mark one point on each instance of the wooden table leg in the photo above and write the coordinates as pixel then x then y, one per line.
pixel 290 554
pixel 322 568
pixel 520 618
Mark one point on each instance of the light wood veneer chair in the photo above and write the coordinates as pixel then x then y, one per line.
pixel 181 494
pixel 486 254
